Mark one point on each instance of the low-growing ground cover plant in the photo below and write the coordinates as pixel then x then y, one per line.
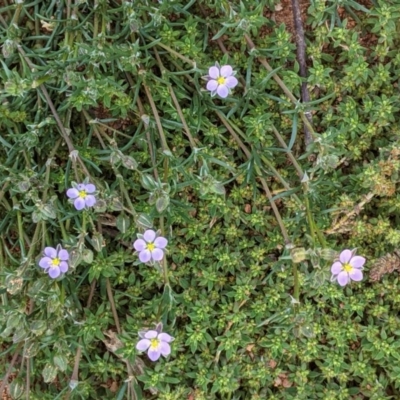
pixel 176 223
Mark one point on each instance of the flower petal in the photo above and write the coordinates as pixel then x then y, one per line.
pixel 213 72
pixel 145 256
pixel 79 203
pixel 151 334
pixel 345 256
pixel 149 236
pixel 63 255
pixel 154 354
pixel 81 186
pixel 226 70
pixel 212 84
pixel 161 242
pixel 343 278
pixel 139 245
pixel 72 193
pixel 157 254
pixel 90 200
pixel 90 188
pixel 45 262
pixel 164 337
pixel 54 272
pixel 222 91
pixel 63 266
pixel 143 345
pixel 165 349
pixel 50 252
pixel 336 267
pixel 356 274
pixel 357 262
pixel 231 82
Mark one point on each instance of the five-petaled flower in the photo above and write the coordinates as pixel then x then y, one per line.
pixel 150 247
pixel 155 343
pixel 347 268
pixel 55 261
pixel 221 80
pixel 82 194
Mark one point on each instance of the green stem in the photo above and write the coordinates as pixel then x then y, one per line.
pixel 280 177
pixel 35 239
pixel 289 153
pixel 83 233
pixel 61 224
pixel 313 227
pixel 147 131
pixel 113 308
pixel 296 292
pixel 16 15
pixel 172 51
pixel 278 217
pixel 43 234
pixel 75 372
pixel 4 298
pixel 164 261
pixel 164 144
pixel 20 227
pixel 96 20
pixel 285 89
pixel 309 217
pixel 126 194
pixel 314 230
pixel 28 378
pixel 3 190
pixel 62 294
pixel 66 37
pixel 60 125
pixel 176 103
pixel 10 367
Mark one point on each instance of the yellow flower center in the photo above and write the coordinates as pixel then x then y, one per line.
pixel 150 246
pixel 82 194
pixel 55 262
pixel 347 267
pixel 154 343
pixel 221 80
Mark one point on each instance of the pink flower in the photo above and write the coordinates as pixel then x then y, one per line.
pixel 82 195
pixel 348 268
pixel 221 80
pixel 55 261
pixel 150 247
pixel 155 343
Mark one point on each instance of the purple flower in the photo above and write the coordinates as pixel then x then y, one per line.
pixel 81 194
pixel 54 261
pixel 155 343
pixel 221 80
pixel 347 268
pixel 150 247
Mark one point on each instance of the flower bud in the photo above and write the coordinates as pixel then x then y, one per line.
pixel 328 254
pixel 298 254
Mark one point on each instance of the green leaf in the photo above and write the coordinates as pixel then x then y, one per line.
pixel 220 32
pixel 49 373
pixel 123 223
pixel 162 203
pixel 218 188
pixel 16 388
pixel 61 362
pixel 148 182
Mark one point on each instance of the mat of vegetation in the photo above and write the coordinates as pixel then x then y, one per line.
pixel 175 223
